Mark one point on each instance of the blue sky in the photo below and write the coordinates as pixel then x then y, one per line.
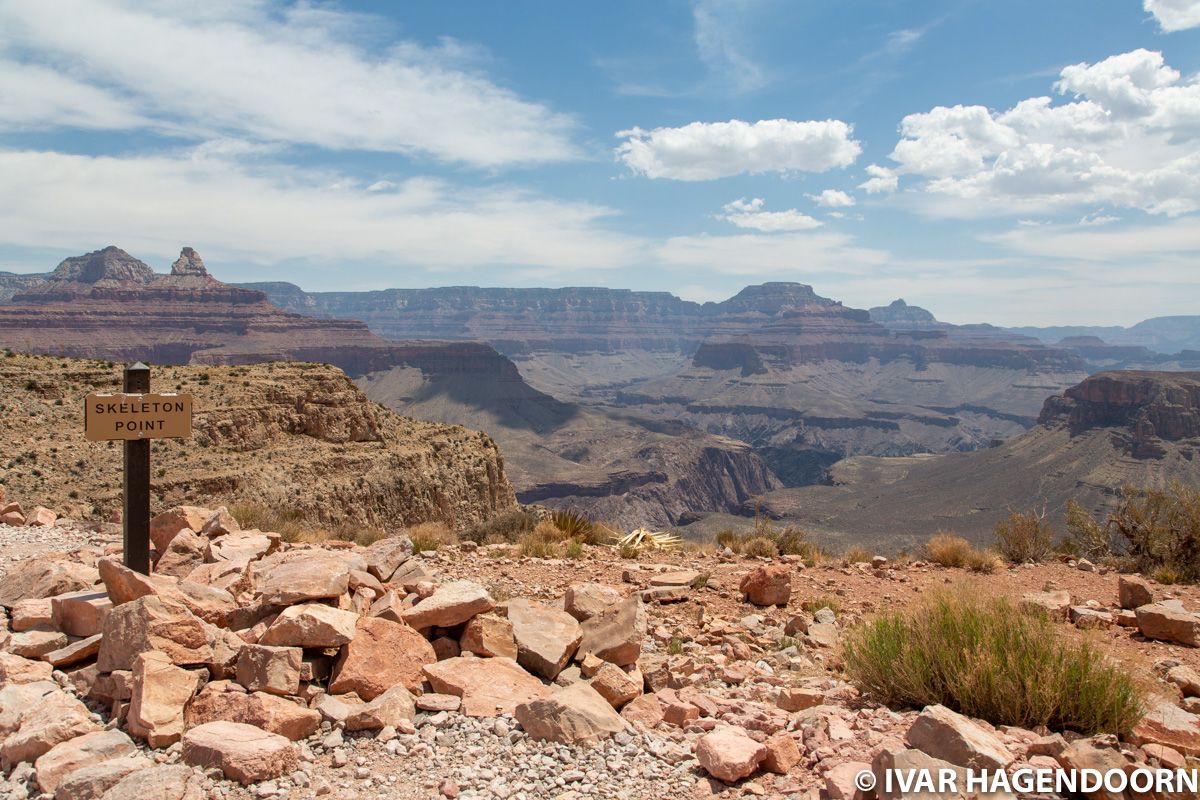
pixel 1017 162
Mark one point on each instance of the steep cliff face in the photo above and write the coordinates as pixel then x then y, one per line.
pixel 1148 408
pixel 12 283
pixel 295 438
pixel 601 461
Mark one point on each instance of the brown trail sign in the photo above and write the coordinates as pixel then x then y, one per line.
pixel 136 417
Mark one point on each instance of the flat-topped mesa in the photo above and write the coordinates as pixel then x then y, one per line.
pixel 771 298
pixel 1146 408
pixel 189 263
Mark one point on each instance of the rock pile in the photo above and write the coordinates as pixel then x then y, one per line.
pixel 310 671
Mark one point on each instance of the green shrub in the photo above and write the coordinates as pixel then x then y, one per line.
pixel 1025 537
pixel 574 549
pixel 983 658
pixel 541 542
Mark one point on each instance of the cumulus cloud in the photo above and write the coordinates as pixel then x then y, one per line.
pixel 703 151
pixel 749 214
pixel 832 198
pixel 255 212
pixel 1128 139
pixel 1174 15
pixel 882 180
pixel 298 74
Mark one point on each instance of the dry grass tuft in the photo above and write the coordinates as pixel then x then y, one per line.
pixel 431 536
pixel 948 550
pixel 857 555
pixel 982 658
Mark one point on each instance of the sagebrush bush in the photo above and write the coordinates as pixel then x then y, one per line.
pixel 766 540
pixel 1150 530
pixel 289 523
pixel 759 546
pixel 948 550
pixel 983 658
pixel 1025 537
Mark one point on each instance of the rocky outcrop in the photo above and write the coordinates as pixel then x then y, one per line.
pixel 298 439
pixel 1147 408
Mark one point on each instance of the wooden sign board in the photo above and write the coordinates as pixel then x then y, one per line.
pixel 110 417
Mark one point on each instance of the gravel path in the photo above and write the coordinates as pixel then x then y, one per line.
pixel 18 543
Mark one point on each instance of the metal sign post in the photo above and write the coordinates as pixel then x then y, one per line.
pixel 135 418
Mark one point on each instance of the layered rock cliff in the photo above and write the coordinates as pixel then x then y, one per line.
pixel 297 439
pixel 110 305
pixel 1148 409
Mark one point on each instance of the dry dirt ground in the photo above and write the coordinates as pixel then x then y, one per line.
pixel 448 755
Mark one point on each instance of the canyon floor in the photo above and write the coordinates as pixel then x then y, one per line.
pixel 711 662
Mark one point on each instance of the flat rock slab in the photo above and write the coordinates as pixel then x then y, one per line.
pixel 173 782
pixel 677 578
pixel 244 753
pixel 1165 622
pixel 949 736
pixel 311 625
pixel 82 751
pixel 1167 724
pixel 450 604
pixel 574 715
pixel 487 686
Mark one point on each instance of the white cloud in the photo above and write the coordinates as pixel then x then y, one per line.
pixel 882 180
pixel 719 41
pixel 707 150
pixel 1128 140
pixel 749 214
pixel 758 255
pixel 1174 15
pixel 270 214
pixel 1120 245
pixel 832 198
pixel 301 75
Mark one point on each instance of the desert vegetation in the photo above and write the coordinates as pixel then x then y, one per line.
pixel 766 540
pixel 949 550
pixel 1023 538
pixel 983 658
pixel 1154 531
